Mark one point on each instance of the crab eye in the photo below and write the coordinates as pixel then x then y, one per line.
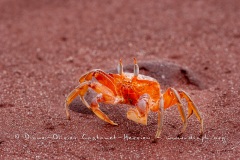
pixel 120 67
pixel 136 68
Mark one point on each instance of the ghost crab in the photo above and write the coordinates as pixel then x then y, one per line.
pixel 134 89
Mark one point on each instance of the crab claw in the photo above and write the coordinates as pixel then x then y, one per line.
pixel 133 115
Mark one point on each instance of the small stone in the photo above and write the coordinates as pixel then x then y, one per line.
pixel 70 59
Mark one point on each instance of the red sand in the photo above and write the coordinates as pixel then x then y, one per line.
pixel 45 46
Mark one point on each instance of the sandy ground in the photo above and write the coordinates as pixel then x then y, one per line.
pixel 45 46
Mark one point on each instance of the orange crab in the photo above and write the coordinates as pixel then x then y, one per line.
pixel 134 89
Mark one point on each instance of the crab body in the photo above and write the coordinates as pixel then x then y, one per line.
pixel 131 88
pixel 142 92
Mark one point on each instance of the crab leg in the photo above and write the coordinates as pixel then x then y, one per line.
pixel 101 77
pixel 80 90
pixel 160 117
pixel 172 97
pixel 192 108
pixel 105 95
pixel 86 81
pixel 95 108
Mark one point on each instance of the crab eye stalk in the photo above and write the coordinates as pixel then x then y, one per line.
pixel 136 68
pixel 120 67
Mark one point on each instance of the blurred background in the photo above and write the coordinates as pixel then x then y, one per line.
pixel 45 46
